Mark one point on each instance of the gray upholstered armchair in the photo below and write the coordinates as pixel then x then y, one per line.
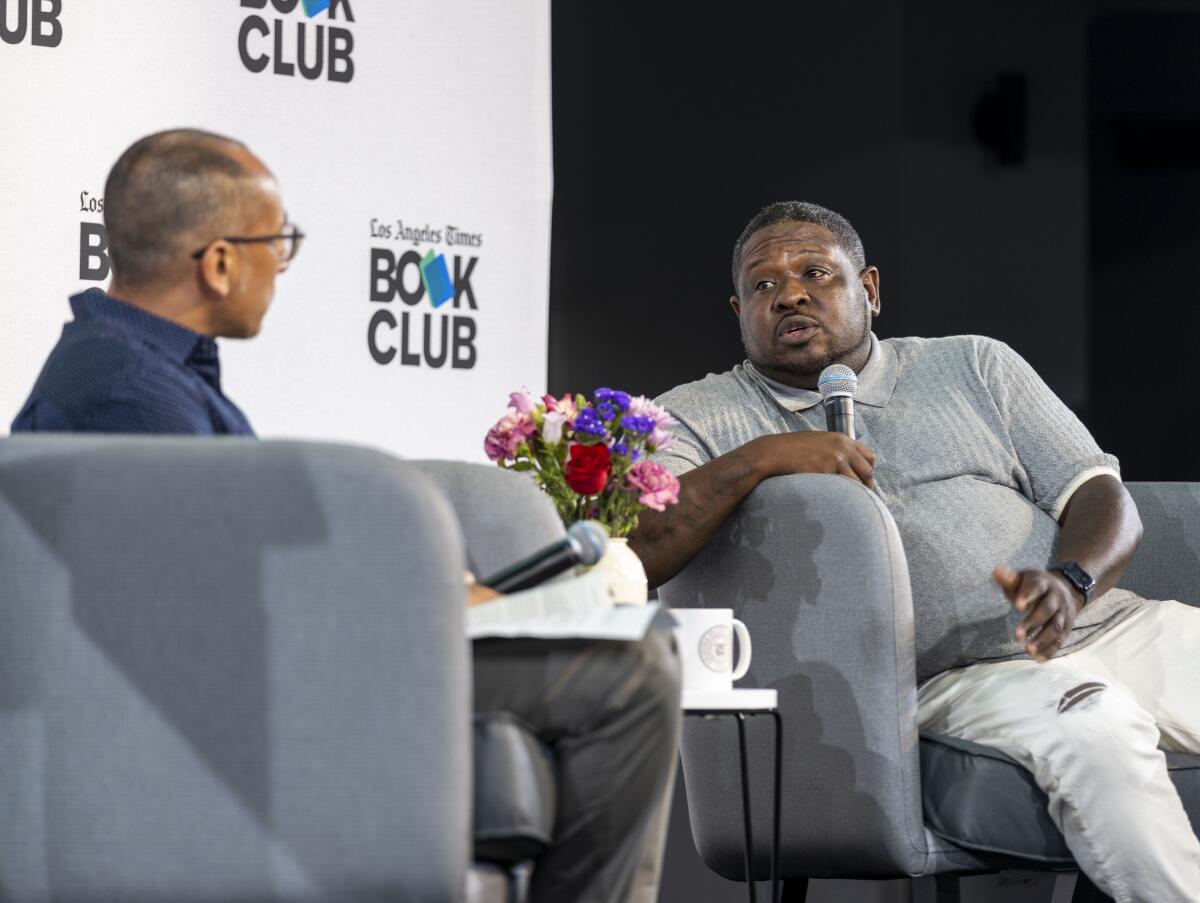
pixel 236 670
pixel 814 566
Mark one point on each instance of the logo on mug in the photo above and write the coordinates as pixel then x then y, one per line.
pixel 716 647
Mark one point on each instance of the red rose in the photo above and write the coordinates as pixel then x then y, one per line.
pixel 587 468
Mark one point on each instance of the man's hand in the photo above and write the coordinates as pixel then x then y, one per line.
pixel 477 593
pixel 1049 603
pixel 816 452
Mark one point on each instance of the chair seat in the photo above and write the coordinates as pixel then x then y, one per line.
pixel 514 792
pixel 980 799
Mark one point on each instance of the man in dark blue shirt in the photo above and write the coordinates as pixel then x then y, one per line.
pixel 190 263
pixel 196 237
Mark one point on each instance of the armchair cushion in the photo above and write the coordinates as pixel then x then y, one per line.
pixel 980 799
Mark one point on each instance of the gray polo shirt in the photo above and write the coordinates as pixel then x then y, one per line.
pixel 975 458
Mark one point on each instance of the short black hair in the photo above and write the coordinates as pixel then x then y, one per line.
pixel 801 212
pixel 166 191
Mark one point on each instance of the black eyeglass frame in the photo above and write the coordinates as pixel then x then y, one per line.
pixel 295 236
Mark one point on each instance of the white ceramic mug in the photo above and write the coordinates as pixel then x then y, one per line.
pixel 705 637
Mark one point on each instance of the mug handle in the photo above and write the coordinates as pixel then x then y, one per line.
pixel 743 636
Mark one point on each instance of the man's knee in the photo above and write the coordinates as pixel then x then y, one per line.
pixel 658 669
pixel 1101 726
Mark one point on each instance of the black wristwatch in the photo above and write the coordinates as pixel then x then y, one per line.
pixel 1078 577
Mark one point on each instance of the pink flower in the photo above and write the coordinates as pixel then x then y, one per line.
pixel 657 486
pixel 641 406
pixel 521 402
pixel 659 440
pixel 565 406
pixel 510 431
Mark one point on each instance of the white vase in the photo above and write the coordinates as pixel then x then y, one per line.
pixel 624 573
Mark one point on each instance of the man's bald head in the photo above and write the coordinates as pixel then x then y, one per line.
pixel 169 194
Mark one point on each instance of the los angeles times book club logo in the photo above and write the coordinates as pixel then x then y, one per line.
pixel 277 35
pixel 412 337
pixel 291 46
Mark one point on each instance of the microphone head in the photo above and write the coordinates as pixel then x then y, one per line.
pixel 590 538
pixel 837 379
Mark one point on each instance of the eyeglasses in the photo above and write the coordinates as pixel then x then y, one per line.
pixel 287 244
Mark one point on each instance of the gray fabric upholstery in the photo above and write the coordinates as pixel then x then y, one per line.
pixel 815 568
pixel 503 517
pixel 813 565
pixel 1167 563
pixel 514 791
pixel 983 800
pixel 229 670
pixel 502 514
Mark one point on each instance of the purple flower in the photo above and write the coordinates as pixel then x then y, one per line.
pixel 612 396
pixel 638 425
pixel 589 424
pixel 620 448
pixel 606 410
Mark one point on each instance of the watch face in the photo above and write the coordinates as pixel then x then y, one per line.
pixel 1079 577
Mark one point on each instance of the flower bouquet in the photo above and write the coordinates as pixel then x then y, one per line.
pixel 590 457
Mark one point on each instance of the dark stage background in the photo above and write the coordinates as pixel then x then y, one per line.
pixel 1027 170
pixel 1023 169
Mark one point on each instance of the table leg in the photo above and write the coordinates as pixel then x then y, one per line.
pixel 775 827
pixel 748 836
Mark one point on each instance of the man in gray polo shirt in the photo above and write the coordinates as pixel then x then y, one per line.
pixel 1003 501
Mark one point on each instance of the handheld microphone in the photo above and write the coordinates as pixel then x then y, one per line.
pixel 583 544
pixel 837 385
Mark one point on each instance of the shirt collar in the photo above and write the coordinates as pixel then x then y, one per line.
pixel 876 382
pixel 177 342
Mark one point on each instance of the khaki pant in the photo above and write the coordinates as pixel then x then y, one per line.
pixel 1090 726
pixel 610 710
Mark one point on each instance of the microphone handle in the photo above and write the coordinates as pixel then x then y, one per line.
pixel 537 568
pixel 839 415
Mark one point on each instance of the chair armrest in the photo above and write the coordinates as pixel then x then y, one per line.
pixel 814 567
pixel 1167 563
pixel 232 669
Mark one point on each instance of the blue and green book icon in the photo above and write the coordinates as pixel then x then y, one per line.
pixel 436 277
pixel 312 7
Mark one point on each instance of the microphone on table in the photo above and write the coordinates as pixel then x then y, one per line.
pixel 837 385
pixel 583 544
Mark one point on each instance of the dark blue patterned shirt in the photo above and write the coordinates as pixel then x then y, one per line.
pixel 120 369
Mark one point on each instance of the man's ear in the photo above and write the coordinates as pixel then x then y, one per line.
pixel 870 283
pixel 218 269
pixel 736 305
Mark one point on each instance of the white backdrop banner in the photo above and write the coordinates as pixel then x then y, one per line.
pixel 412 142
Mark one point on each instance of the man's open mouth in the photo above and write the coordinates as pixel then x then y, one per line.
pixel 796 329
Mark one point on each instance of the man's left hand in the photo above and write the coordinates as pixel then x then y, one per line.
pixel 1049 604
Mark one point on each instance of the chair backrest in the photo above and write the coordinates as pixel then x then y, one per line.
pixel 503 515
pixel 229 670
pixel 1167 563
